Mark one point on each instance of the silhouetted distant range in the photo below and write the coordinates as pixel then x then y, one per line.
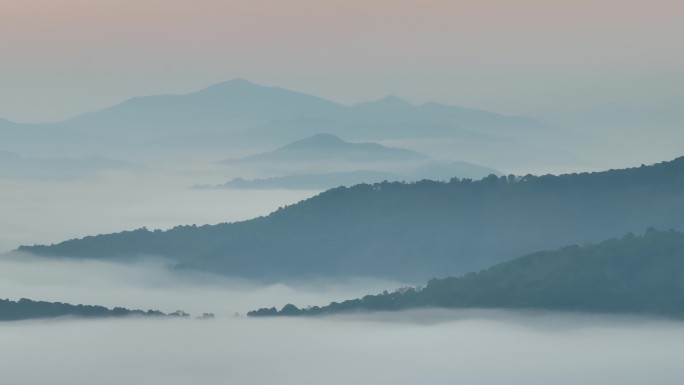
pixel 26 309
pixel 330 148
pixel 315 159
pixel 14 166
pixel 239 104
pixel 431 170
pixel 631 275
pixel 412 231
pixel 239 114
pixel 223 107
pixel 394 118
pixel 281 132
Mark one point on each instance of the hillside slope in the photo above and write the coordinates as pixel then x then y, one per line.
pixel 413 231
pixel 25 309
pixel 634 275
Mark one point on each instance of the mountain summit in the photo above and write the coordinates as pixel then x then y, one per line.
pixel 239 104
pixel 327 147
pixel 227 106
pixel 318 141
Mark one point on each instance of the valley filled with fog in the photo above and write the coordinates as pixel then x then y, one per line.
pixel 471 348
pixel 426 346
pixel 435 346
pixel 160 190
pixel 514 216
pixel 152 196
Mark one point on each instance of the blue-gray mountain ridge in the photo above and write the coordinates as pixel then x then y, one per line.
pixel 412 231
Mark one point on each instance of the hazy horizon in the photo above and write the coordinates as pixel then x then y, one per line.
pixel 531 57
pixel 518 87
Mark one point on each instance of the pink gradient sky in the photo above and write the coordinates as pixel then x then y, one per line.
pixel 64 57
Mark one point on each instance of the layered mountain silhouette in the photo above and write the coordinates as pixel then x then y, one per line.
pixel 282 132
pixel 412 231
pixel 240 115
pixel 238 102
pixel 223 107
pixel 330 148
pixel 306 181
pixel 631 275
pixel 252 112
pixel 325 161
pixel 441 171
pixel 394 109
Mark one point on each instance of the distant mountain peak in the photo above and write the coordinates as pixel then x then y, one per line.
pixel 325 147
pixel 237 84
pixel 389 101
pixel 318 141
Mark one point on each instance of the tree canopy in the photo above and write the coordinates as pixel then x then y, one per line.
pixel 633 274
pixel 412 231
pixel 28 309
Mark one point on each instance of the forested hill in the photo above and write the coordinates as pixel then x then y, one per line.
pixel 25 309
pixel 634 275
pixel 413 231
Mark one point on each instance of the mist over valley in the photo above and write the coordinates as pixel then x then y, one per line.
pixel 361 192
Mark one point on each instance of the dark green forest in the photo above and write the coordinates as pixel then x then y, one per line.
pixel 632 275
pixel 412 231
pixel 25 309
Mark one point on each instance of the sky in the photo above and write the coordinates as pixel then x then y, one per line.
pixel 61 58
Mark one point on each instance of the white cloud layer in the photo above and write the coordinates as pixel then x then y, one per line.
pixel 415 347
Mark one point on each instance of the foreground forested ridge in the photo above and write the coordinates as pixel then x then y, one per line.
pixel 634 275
pixel 27 309
pixel 413 231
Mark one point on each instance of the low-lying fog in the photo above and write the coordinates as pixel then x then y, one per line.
pixel 416 347
pixel 151 285
pixel 156 190
pixel 50 211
